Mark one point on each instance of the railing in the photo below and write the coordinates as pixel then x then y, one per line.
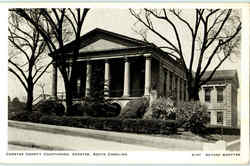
pixel 41 97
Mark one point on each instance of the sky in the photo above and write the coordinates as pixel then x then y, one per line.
pixel 115 20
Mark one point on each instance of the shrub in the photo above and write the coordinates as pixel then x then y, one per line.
pixel 134 108
pixel 16 106
pixel 53 120
pixel 78 109
pixel 148 114
pixel 19 116
pixel 161 108
pixel 103 109
pixel 34 116
pixel 16 100
pixel 225 130
pixel 194 117
pixel 113 110
pixel 114 124
pixel 26 116
pixel 50 107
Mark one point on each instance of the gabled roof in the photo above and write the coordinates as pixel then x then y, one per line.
pixel 133 40
pixel 120 43
pixel 94 33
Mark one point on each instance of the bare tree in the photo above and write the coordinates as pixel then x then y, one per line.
pixel 26 54
pixel 213 34
pixel 61 22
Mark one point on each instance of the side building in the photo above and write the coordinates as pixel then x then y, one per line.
pixel 220 95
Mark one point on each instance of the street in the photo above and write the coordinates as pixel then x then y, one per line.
pixel 44 140
pixel 20 148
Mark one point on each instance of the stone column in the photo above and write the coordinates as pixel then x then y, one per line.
pixel 126 87
pixel 88 79
pixel 69 70
pixel 54 81
pixel 78 82
pixel 107 79
pixel 147 85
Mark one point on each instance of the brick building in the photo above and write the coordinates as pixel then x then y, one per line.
pixel 128 68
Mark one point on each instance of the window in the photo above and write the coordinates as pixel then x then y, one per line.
pixel 207 94
pixel 220 94
pixel 220 117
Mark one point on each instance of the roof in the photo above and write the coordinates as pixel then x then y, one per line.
pixel 131 43
pixel 221 75
pixel 96 31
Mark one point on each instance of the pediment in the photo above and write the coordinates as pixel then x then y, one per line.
pixel 103 44
pixel 102 40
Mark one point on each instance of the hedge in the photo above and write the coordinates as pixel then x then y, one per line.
pixel 134 109
pixel 25 116
pixel 214 129
pixel 114 124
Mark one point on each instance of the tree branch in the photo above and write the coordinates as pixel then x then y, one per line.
pixel 19 78
pixel 154 31
pixel 39 76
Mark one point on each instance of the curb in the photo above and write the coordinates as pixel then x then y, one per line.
pixel 233 142
pixel 127 138
pixel 34 145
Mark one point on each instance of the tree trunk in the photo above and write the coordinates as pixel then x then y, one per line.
pixel 69 96
pixel 193 90
pixel 193 94
pixel 29 98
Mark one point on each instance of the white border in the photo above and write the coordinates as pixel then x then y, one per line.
pixel 133 157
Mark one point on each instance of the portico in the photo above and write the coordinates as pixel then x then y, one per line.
pixel 125 68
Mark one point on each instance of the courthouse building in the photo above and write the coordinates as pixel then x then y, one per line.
pixel 130 69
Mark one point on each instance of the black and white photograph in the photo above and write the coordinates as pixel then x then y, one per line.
pixel 109 81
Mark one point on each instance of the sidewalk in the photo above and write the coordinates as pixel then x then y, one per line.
pixel 49 141
pixel 57 133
